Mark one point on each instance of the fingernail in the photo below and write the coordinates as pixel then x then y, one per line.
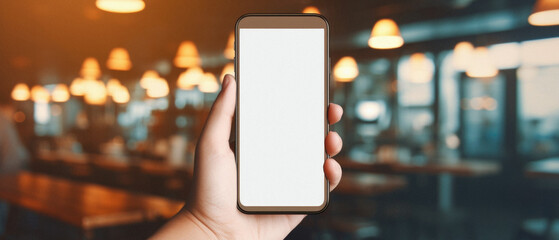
pixel 226 80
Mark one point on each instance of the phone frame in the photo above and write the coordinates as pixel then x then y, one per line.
pixel 283 21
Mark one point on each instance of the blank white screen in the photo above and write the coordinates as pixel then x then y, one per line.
pixel 281 114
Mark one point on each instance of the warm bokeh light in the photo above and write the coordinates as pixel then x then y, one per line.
pixel 20 92
pixel 121 6
pixel 346 69
pixel 119 60
pixel 229 68
pixel 120 94
pixel 148 79
pixel 385 35
pixel 462 55
pixel 19 117
pixel 506 55
pixel 546 13
pixel 229 52
pixel 452 141
pixel 41 112
pixel 96 93
pixel 112 86
pixel 60 93
pixel 482 66
pixel 90 69
pixel 208 84
pixel 421 69
pixel 159 88
pixel 187 55
pixel 311 9
pixel 77 87
pixel 489 103
pixel 369 110
pixel 40 94
pixel 190 78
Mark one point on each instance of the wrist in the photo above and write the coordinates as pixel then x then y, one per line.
pixel 185 225
pixel 198 225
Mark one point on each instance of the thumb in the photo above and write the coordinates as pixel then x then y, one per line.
pixel 218 125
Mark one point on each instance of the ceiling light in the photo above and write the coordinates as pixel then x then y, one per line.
pixel 121 6
pixel 90 68
pixel 120 94
pixel 229 68
pixel 208 84
pixel 311 9
pixel 229 52
pixel 148 79
pixel 190 78
pixel 545 13
pixel 482 65
pixel 385 35
pixel 60 93
pixel 119 59
pixel 346 69
pixel 20 92
pixel 462 55
pixel 159 88
pixel 187 55
pixel 40 94
pixel 96 93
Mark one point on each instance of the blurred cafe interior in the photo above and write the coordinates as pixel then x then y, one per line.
pixel 451 123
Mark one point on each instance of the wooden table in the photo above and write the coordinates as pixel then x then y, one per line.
pixel 116 163
pixel 444 171
pixel 369 184
pixel 86 206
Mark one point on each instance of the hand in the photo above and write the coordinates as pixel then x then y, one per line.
pixel 212 212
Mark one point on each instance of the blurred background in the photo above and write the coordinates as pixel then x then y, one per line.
pixel 451 124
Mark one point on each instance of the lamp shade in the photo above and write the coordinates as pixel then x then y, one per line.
pixel 40 94
pixel 121 6
pixel 113 86
pixel 120 94
pixel 60 93
pixel 190 78
pixel 545 13
pixel 420 68
pixel 148 79
pixel 90 69
pixel 346 69
pixel 311 9
pixel 20 92
pixel 96 93
pixel 229 68
pixel 385 35
pixel 158 88
pixel 229 52
pixel 462 55
pixel 77 87
pixel 208 84
pixel 119 60
pixel 482 65
pixel 187 55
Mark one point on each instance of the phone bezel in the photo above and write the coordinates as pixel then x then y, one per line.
pixel 284 21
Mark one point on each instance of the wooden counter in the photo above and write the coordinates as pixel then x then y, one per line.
pixel 86 206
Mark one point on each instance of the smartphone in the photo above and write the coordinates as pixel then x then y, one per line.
pixel 282 69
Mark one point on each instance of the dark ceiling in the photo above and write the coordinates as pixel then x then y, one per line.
pixel 46 41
